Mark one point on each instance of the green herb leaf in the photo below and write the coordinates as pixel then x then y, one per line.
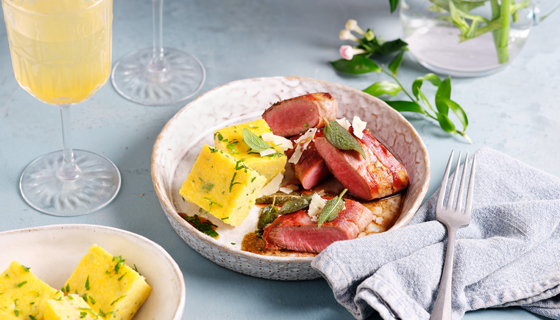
pixel 204 227
pixel 268 215
pixel 406 106
pixel 456 108
pixel 445 123
pixel 417 84
pixel 254 142
pixel 87 284
pixel 444 88
pixel 26 269
pixel 296 204
pixel 396 62
pixel 383 87
pixel 358 65
pixel 331 209
pixel 341 139
pixel 390 46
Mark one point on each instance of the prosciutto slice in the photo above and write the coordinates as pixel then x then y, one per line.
pixel 378 175
pixel 297 232
pixel 293 116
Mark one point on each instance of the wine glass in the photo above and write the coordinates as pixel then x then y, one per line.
pixel 158 76
pixel 61 54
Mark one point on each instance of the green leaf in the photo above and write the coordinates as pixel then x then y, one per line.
pixel 358 65
pixel 406 106
pixel 254 142
pixel 296 204
pixel 268 215
pixel 390 46
pixel 417 84
pixel 396 62
pixel 394 4
pixel 456 108
pixel 444 89
pixel 383 87
pixel 445 123
pixel 331 209
pixel 341 139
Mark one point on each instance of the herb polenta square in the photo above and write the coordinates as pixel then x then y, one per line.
pixel 222 185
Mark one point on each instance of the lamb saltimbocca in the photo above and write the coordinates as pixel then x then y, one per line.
pixel 367 176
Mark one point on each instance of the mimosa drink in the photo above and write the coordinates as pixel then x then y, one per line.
pixel 70 58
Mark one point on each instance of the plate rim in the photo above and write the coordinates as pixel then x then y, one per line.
pixel 274 259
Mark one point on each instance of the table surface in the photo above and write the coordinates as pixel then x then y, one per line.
pixel 514 111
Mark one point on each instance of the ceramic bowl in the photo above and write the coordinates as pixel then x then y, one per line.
pixel 182 138
pixel 53 252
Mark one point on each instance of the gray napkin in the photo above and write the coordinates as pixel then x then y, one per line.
pixel 509 255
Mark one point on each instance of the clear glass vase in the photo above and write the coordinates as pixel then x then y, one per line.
pixel 466 38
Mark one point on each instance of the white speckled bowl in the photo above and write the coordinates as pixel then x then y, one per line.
pixel 53 252
pixel 181 140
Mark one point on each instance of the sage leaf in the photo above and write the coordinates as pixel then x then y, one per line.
pixel 331 209
pixel 417 84
pixel 358 65
pixel 279 198
pixel 383 87
pixel 409 106
pixel 296 204
pixel 254 142
pixel 268 215
pixel 341 139
pixel 396 63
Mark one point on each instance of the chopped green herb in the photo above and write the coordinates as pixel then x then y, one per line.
pixel 83 315
pixel 87 283
pixel 120 278
pixel 220 137
pixel 212 202
pixel 91 300
pixel 253 179
pixel 16 312
pixel 233 243
pixel 21 284
pixel 67 288
pixel 306 125
pixel 7 275
pixel 119 298
pixel 207 187
pixel 120 262
pixel 231 146
pixel 231 184
pixel 32 317
pixel 25 268
pixel 224 218
pixel 212 150
pixel 204 227
pixel 70 297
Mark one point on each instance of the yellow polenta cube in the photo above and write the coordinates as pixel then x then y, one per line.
pixel 111 288
pixel 230 139
pixel 222 185
pixel 69 308
pixel 22 294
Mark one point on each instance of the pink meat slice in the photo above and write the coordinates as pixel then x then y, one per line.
pixel 293 116
pixel 297 232
pixel 376 176
pixel 311 168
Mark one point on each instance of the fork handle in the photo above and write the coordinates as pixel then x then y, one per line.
pixel 442 307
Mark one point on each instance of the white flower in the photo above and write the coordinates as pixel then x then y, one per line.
pixel 348 52
pixel 352 25
pixel 347 35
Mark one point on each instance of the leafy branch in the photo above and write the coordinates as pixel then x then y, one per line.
pixel 357 60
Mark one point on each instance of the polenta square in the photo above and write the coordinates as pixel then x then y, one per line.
pixel 222 185
pixel 230 139
pixel 69 307
pixel 22 294
pixel 111 288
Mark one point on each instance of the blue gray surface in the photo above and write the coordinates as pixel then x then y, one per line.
pixel 515 111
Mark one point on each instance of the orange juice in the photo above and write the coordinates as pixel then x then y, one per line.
pixel 61 49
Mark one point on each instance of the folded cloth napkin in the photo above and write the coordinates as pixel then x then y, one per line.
pixel 509 255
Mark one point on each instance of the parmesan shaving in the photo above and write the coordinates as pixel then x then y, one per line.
pixel 267 152
pixel 359 127
pixel 344 123
pixel 316 206
pixel 272 186
pixel 284 143
pixel 297 154
pixel 289 188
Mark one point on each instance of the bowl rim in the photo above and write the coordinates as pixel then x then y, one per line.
pixel 160 191
pixel 119 232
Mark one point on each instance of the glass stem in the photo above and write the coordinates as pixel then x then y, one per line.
pixel 69 169
pixel 158 63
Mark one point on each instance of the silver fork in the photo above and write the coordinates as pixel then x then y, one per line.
pixel 453 219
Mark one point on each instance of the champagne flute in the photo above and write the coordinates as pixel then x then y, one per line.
pixel 61 55
pixel 158 76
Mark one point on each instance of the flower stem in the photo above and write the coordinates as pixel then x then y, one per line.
pixel 502 47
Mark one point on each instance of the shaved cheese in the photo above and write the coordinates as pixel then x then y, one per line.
pixel 379 220
pixel 344 123
pixel 316 206
pixel 272 186
pixel 297 154
pixel 284 143
pixel 359 127
pixel 289 188
pixel 267 152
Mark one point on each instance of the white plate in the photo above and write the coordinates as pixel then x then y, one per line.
pixel 181 140
pixel 53 252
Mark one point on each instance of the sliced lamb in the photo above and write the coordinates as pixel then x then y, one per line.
pixel 377 176
pixel 293 116
pixel 310 168
pixel 297 232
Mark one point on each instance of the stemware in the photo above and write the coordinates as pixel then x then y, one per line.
pixel 158 76
pixel 61 55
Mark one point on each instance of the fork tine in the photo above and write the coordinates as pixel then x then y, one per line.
pixel 444 183
pixel 453 184
pixel 471 187
pixel 462 184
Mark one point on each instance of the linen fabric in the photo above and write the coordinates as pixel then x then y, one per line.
pixel 509 255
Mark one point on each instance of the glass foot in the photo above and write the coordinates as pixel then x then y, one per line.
pixel 97 185
pixel 181 78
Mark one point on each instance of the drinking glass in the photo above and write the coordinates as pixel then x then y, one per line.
pixel 158 76
pixel 61 55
